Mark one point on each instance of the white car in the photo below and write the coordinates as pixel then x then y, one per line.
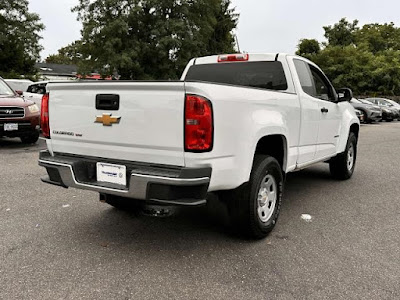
pixel 19 85
pixel 36 91
pixel 235 125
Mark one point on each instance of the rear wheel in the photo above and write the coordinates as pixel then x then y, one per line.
pixel 343 165
pixel 30 139
pixel 254 207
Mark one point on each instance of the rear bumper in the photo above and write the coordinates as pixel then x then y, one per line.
pixel 162 184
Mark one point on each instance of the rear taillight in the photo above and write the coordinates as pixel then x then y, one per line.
pixel 44 116
pixel 198 124
pixel 233 58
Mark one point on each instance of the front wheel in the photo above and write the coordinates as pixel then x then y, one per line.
pixel 254 207
pixel 30 139
pixel 366 120
pixel 343 165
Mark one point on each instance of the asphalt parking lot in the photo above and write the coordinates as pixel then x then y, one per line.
pixel 65 244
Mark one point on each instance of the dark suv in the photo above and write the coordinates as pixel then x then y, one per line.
pixel 18 117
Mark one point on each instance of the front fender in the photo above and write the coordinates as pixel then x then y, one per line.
pixel 348 121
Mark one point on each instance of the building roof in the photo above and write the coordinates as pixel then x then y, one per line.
pixel 57 69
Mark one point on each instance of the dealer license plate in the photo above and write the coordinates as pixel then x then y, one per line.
pixel 10 126
pixel 111 173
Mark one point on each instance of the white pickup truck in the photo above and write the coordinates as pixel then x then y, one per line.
pixel 234 125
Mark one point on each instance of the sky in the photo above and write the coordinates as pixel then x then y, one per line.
pixel 264 25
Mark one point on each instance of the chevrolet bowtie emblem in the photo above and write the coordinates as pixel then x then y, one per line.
pixel 107 119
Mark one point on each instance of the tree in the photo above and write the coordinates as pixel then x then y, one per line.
pixel 341 33
pixel 152 39
pixel 68 55
pixel 306 47
pixel 19 38
pixel 377 37
pixel 365 59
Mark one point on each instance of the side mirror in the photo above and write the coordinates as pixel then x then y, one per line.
pixel 345 94
pixel 20 93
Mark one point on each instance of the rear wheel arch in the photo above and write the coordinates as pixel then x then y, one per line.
pixel 275 146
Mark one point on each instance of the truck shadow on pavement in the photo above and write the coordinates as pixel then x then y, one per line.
pixel 191 226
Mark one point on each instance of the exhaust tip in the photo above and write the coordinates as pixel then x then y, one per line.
pixel 158 211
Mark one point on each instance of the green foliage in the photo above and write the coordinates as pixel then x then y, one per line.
pixel 342 33
pixel 19 38
pixel 307 47
pixel 152 39
pixel 68 55
pixel 377 38
pixel 365 59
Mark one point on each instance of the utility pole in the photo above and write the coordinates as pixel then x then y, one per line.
pixel 237 43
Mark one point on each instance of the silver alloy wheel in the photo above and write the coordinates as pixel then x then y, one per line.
pixel 350 157
pixel 267 198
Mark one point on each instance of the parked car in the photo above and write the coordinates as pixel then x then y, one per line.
pixel 360 115
pixel 18 117
pixel 385 103
pixel 371 113
pixel 234 125
pixel 388 113
pixel 19 85
pixel 36 91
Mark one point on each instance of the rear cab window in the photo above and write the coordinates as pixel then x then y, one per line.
pixel 37 89
pixel 267 75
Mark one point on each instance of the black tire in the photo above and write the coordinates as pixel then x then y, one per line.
pixel 243 202
pixel 339 166
pixel 30 139
pixel 121 203
pixel 365 115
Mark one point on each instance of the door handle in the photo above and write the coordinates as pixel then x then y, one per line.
pixel 324 110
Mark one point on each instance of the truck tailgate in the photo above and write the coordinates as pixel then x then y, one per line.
pixel 148 125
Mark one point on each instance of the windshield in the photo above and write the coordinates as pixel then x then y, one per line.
pixel 5 90
pixel 366 102
pixel 393 102
pixel 387 103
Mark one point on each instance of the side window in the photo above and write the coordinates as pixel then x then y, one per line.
pixel 306 80
pixel 322 86
pixel 313 82
pixel 41 90
pixel 32 89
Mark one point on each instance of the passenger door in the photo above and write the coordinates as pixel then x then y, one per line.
pixel 330 115
pixel 310 114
